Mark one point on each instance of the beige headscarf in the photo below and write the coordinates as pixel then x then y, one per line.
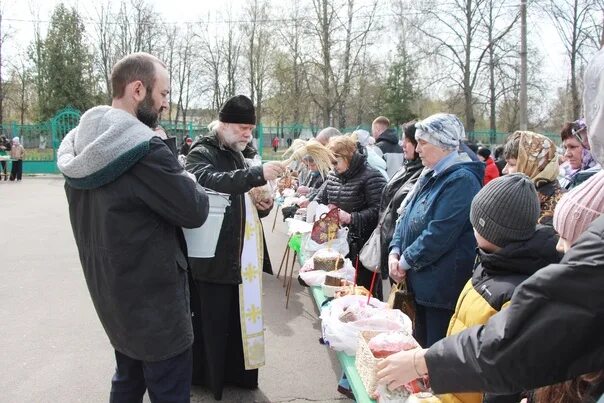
pixel 536 156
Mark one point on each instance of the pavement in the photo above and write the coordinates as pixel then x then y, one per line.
pixel 54 348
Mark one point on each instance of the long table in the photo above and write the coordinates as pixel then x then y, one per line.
pixel 346 361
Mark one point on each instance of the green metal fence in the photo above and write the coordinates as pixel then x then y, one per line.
pixel 41 140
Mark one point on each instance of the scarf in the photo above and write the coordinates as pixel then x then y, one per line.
pixel 250 289
pixel 536 157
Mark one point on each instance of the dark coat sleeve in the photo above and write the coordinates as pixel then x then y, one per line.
pixel 553 330
pixel 364 221
pixel 168 190
pixel 236 181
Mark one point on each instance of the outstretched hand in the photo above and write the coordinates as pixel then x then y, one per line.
pixel 399 369
pixel 272 170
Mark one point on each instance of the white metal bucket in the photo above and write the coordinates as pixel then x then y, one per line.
pixel 201 241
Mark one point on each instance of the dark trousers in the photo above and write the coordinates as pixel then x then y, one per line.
pixel 16 170
pixel 3 170
pixel 218 348
pixel 431 324
pixel 168 381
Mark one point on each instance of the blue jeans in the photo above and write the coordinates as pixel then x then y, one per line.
pixel 168 381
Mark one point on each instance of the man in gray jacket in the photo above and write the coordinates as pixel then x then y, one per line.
pixel 128 199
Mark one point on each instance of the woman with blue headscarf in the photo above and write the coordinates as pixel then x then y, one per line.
pixel 433 247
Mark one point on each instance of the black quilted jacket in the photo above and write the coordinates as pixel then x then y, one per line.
pixel 224 170
pixel 357 191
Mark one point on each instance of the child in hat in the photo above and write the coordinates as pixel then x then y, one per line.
pixel 511 247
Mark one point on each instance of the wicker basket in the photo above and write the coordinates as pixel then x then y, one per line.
pixel 365 362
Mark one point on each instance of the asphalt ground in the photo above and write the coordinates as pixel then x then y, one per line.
pixel 53 348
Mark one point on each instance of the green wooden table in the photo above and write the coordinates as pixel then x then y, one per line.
pixel 346 361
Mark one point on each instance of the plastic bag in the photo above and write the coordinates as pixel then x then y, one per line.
pixel 385 395
pixel 317 277
pixel 370 253
pixel 343 336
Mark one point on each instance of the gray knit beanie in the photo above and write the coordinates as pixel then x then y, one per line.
pixel 506 210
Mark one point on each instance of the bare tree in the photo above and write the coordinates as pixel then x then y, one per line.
pixel 354 44
pixel 292 37
pixel 231 47
pixel 323 30
pixel 508 91
pixel 104 42
pixel 184 68
pixel 20 93
pixel 211 56
pixel 455 28
pixel 138 27
pixel 258 52
pixel 578 25
pixel 494 11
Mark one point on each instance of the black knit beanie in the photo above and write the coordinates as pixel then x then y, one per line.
pixel 238 109
pixel 506 209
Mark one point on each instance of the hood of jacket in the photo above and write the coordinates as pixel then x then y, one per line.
pixel 524 257
pixel 389 136
pixel 106 143
pixel 463 161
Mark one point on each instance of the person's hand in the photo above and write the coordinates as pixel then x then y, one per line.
pixel 303 202
pixel 303 190
pixel 272 170
pixel 394 270
pixel 264 205
pixel 345 218
pixel 398 369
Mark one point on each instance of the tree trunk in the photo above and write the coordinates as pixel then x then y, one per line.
pixel 469 107
pixel 493 106
pixel 575 103
pixel 326 47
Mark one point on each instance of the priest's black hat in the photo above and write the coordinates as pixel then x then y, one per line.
pixel 238 109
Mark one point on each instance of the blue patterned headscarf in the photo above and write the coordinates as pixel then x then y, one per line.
pixel 443 130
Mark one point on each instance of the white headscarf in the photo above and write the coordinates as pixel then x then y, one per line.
pixel 443 130
pixel 363 137
pixel 16 140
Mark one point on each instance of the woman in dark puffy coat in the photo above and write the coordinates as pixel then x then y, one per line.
pixel 396 191
pixel 355 188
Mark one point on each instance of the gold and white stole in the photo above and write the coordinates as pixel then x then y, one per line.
pixel 250 289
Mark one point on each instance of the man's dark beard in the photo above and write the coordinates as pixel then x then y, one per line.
pixel 145 112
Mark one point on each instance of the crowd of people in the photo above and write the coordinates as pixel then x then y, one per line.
pixel 505 264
